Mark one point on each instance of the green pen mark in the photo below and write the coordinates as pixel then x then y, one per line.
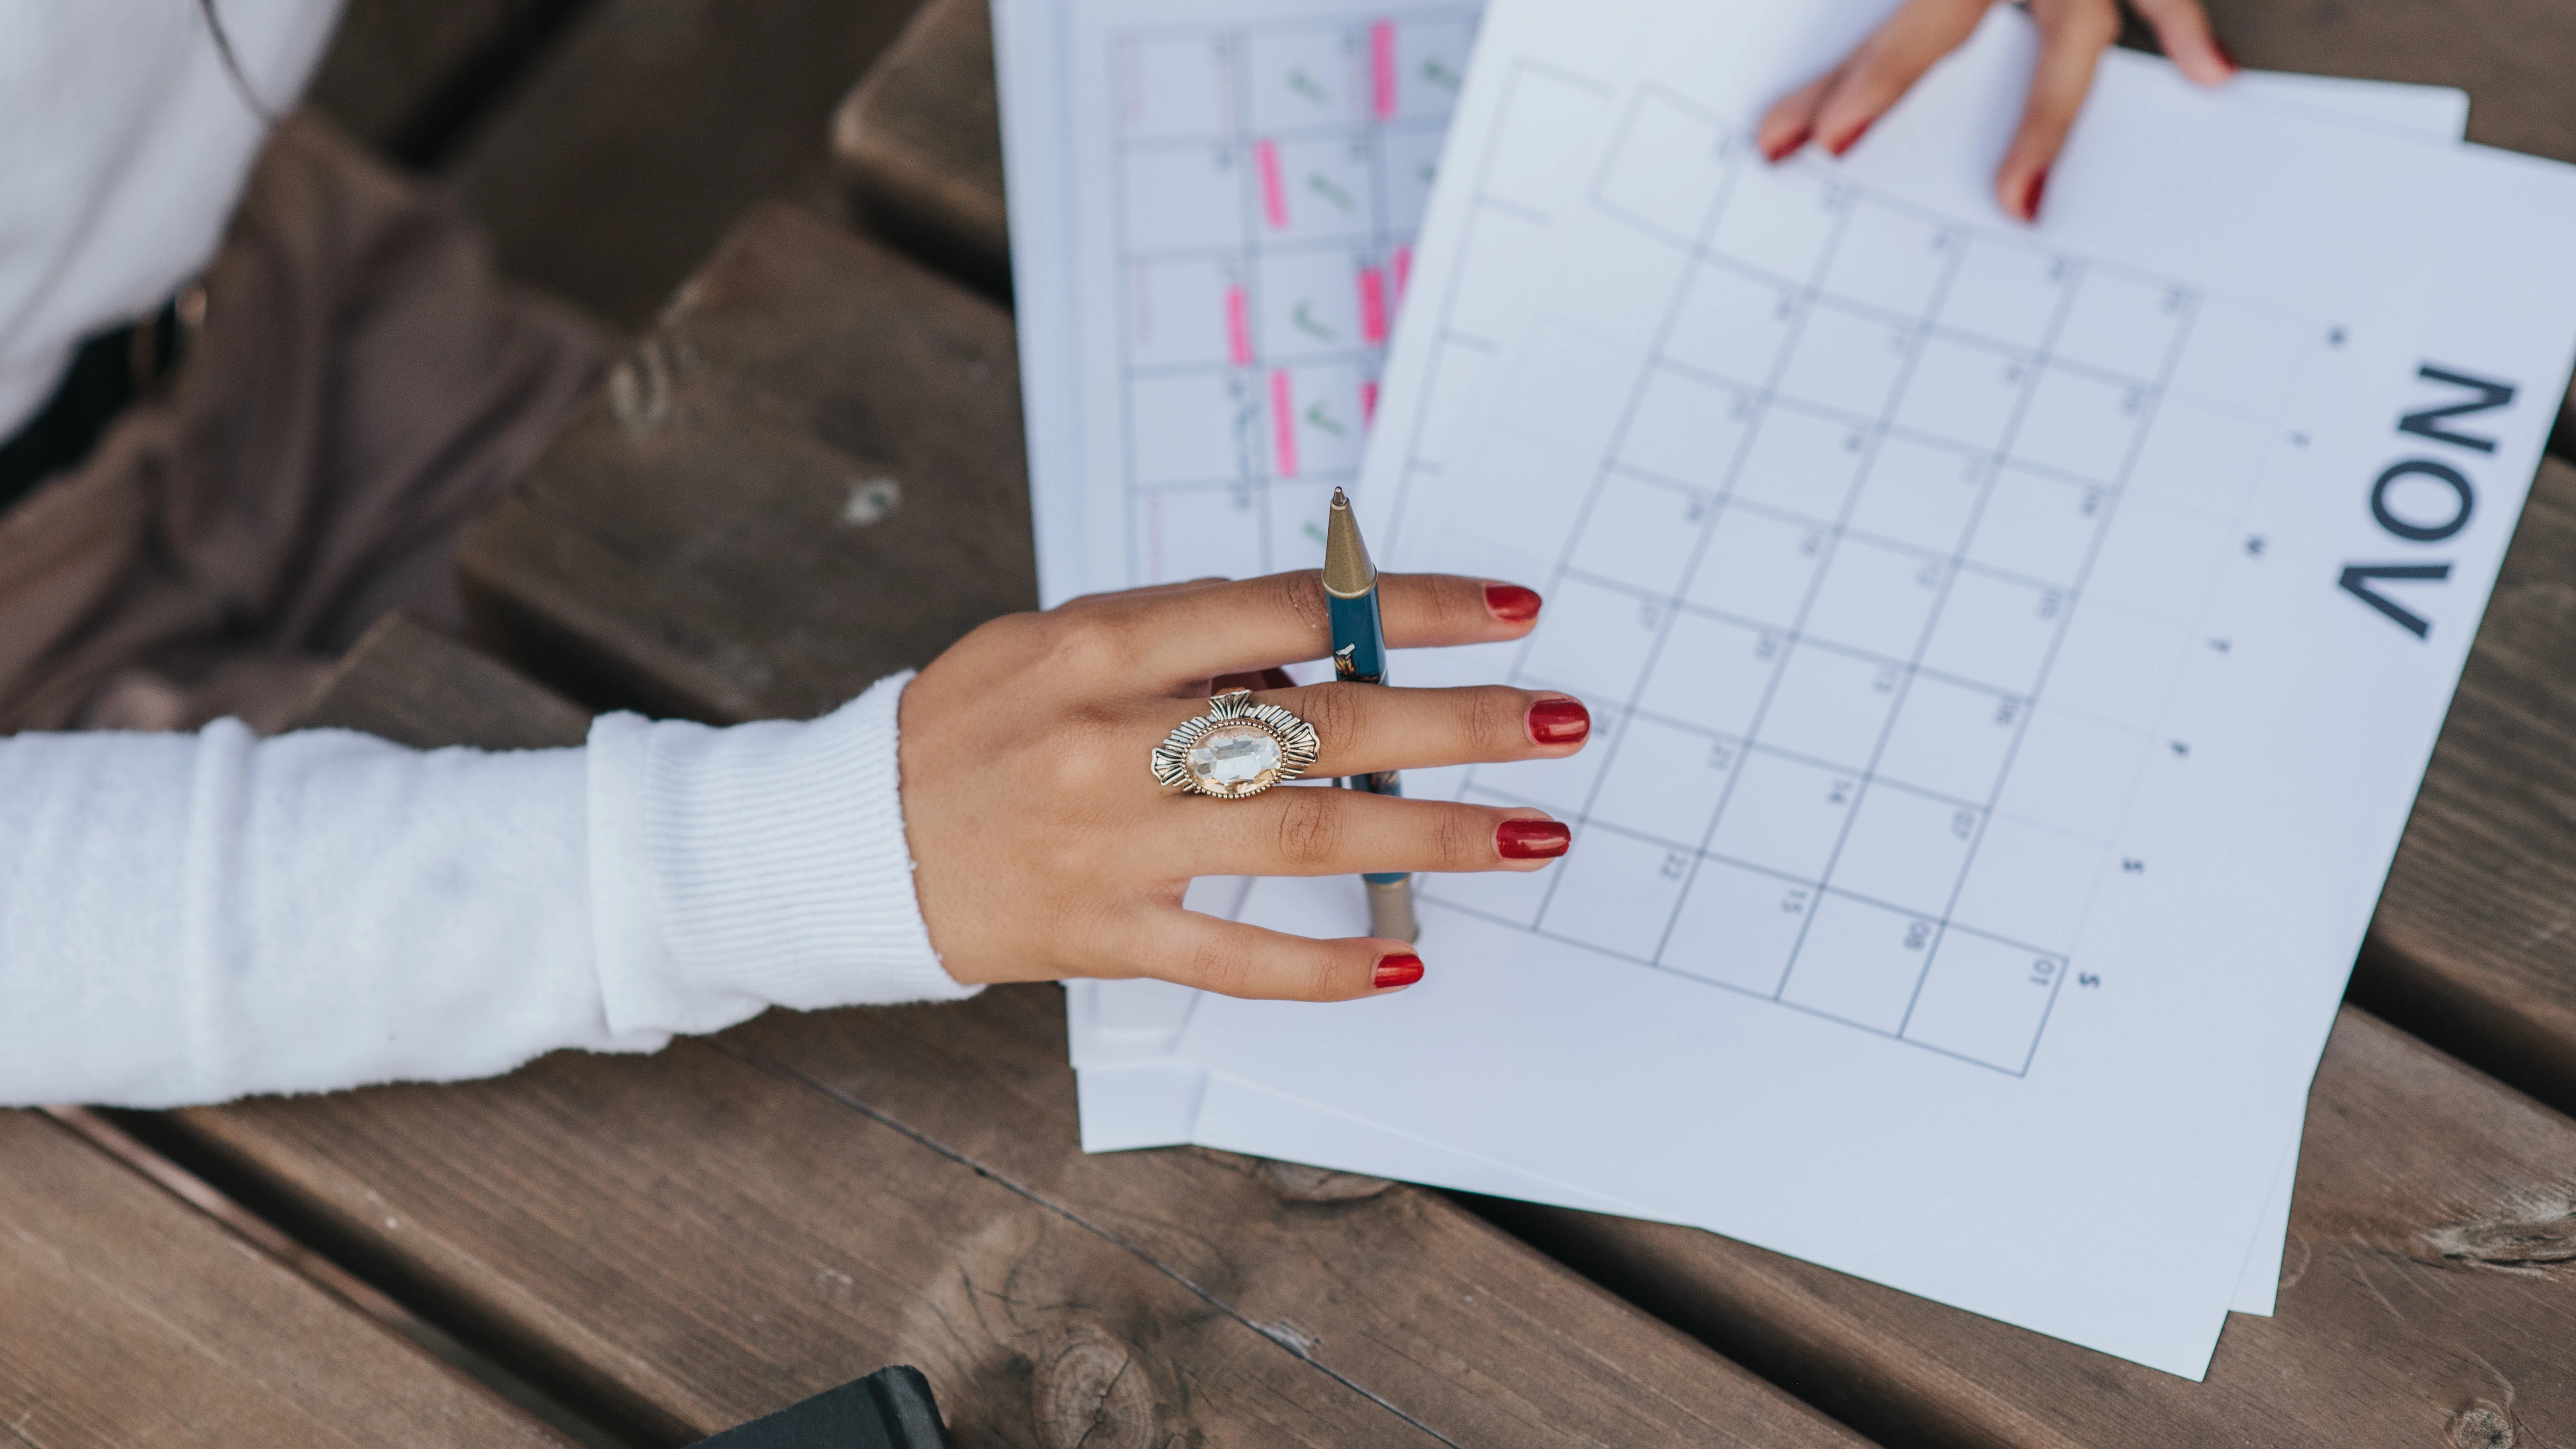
pixel 1440 75
pixel 1323 186
pixel 1317 417
pixel 1306 323
pixel 1311 531
pixel 1307 86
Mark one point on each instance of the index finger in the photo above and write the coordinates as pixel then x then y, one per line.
pixel 1253 624
pixel 2072 36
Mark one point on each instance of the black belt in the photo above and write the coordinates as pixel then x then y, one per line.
pixel 108 372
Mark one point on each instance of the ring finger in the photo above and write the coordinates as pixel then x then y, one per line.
pixel 1361 728
pixel 1319 830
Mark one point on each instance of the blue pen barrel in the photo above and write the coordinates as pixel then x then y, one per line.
pixel 1359 640
pixel 1359 657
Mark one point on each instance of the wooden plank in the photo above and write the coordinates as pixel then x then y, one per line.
pixel 810 473
pixel 127 1317
pixel 403 681
pixel 920 143
pixel 2428 1295
pixel 680 1242
pixel 2473 945
pixel 2511 56
pixel 406 76
pixel 649 126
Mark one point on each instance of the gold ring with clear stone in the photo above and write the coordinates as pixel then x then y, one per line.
pixel 1236 749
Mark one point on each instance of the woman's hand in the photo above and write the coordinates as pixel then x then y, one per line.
pixel 1836 107
pixel 1045 848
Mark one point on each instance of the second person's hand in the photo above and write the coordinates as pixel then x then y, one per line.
pixel 1836 108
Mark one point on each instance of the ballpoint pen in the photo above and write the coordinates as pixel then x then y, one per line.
pixel 1359 657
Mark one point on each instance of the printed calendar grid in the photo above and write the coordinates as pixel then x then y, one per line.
pixel 1933 927
pixel 1232 448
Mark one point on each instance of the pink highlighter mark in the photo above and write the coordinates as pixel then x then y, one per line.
pixel 1373 306
pixel 1238 327
pixel 1403 272
pixel 1274 195
pixel 1368 402
pixel 1382 66
pixel 1283 422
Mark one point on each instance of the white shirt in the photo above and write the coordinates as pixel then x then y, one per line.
pixel 123 146
pixel 186 918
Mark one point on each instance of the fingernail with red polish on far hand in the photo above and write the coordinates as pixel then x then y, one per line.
pixel 1511 603
pixel 1531 839
pixel 1559 721
pixel 1787 144
pixel 1851 140
pixel 1396 971
pixel 2226 57
pixel 2030 197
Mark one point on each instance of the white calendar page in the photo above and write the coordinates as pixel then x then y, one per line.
pixel 1777 987
pixel 1135 1091
pixel 1243 183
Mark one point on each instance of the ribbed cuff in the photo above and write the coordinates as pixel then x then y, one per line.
pixel 736 869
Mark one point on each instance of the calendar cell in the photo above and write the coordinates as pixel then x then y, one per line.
pixel 1656 527
pixel 1984 1000
pixel 1620 888
pixel 1906 849
pixel 1860 963
pixel 1784 814
pixel 1738 927
pixel 1663 782
pixel 1831 706
pixel 1757 567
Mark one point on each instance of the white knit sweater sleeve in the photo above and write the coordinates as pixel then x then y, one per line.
pixel 188 918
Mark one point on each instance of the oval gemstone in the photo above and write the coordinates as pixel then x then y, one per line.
pixel 1233 756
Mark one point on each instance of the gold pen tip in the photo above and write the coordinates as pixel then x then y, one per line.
pixel 1348 573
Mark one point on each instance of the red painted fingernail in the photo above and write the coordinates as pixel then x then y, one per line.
pixel 1511 603
pixel 1395 971
pixel 1531 839
pixel 1559 721
pixel 1786 144
pixel 2030 198
pixel 1848 142
pixel 2226 55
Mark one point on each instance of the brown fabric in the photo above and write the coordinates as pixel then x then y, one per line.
pixel 362 387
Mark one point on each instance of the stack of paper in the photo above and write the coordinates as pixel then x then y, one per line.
pixel 2013 650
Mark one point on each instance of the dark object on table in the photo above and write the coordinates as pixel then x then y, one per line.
pixel 889 1409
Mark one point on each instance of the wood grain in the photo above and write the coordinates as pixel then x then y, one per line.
pixel 920 142
pixel 684 1241
pixel 405 682
pixel 128 1318
pixel 2474 945
pixel 406 76
pixel 649 126
pixel 2511 56
pixel 2428 1295
pixel 1385 1285
pixel 810 472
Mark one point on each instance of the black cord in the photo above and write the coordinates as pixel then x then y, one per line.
pixel 232 64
